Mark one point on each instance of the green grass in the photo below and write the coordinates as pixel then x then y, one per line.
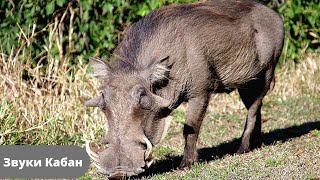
pixel 53 113
pixel 45 105
pixel 291 128
pixel 291 149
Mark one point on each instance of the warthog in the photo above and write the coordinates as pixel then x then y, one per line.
pixel 183 53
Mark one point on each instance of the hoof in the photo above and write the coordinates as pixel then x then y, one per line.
pixel 243 150
pixel 186 164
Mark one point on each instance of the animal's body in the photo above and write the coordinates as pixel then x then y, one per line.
pixel 183 53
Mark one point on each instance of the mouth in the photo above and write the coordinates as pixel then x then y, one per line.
pixel 94 150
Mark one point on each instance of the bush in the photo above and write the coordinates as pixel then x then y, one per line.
pixel 93 28
pixel 302 24
pixel 89 28
pixel 44 47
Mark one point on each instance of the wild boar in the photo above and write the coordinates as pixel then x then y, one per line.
pixel 183 53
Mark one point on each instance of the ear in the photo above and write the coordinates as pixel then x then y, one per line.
pixel 94 102
pixel 100 69
pixel 157 73
pixel 160 71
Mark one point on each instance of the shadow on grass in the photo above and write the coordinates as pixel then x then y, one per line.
pixel 217 152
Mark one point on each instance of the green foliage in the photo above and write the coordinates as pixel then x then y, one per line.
pixel 302 24
pixel 316 133
pixel 94 28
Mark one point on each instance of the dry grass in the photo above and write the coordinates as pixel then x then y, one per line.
pixel 302 78
pixel 292 80
pixel 44 105
pixel 40 102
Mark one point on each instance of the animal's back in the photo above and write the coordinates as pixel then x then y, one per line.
pixel 204 23
pixel 238 39
pixel 223 42
pixel 240 46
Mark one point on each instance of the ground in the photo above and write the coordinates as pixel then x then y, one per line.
pixel 31 113
pixel 291 130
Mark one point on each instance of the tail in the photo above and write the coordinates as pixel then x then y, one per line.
pixel 273 82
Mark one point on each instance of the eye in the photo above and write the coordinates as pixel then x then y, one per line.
pixel 143 93
pixel 103 99
pixel 102 94
pixel 144 99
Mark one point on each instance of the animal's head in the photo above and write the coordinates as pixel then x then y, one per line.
pixel 134 117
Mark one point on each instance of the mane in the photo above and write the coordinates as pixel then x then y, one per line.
pixel 126 54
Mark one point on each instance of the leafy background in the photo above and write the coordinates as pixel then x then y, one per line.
pixel 96 26
pixel 44 50
pixel 302 24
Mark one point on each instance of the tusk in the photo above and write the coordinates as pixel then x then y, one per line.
pixel 100 169
pixel 93 155
pixel 148 164
pixel 97 165
pixel 150 157
pixel 149 148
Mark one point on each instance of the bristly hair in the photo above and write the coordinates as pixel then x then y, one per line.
pixel 126 54
pixel 128 50
pixel 232 8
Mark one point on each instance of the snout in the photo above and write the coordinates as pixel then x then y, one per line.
pixel 109 162
pixel 121 172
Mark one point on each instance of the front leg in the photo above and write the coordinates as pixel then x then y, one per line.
pixel 195 114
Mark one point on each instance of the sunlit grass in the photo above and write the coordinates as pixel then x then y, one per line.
pixel 44 105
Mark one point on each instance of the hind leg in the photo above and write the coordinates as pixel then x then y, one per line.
pixel 252 96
